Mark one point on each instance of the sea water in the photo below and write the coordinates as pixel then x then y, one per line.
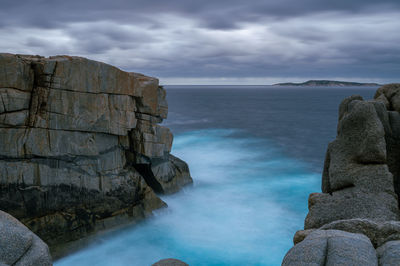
pixel 255 153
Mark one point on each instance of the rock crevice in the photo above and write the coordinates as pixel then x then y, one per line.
pixel 74 134
pixel 360 188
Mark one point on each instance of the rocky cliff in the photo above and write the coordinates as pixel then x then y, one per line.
pixel 81 149
pixel 355 220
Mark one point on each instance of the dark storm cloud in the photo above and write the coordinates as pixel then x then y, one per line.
pixel 213 39
pixel 219 14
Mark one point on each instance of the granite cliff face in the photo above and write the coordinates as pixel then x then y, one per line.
pixel 81 149
pixel 355 220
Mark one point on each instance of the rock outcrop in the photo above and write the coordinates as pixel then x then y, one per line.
pixel 170 262
pixel 81 149
pixel 355 220
pixel 19 246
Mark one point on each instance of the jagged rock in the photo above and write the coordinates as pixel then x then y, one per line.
pixel 389 254
pixel 150 141
pixel 171 174
pixel 332 247
pixel 170 262
pixel 383 100
pixel 19 246
pixel 360 184
pixel 393 148
pixel 392 94
pixel 76 135
pixel 356 180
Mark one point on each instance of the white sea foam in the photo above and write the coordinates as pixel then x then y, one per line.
pixel 247 201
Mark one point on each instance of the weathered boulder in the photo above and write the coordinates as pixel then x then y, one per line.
pixel 378 232
pixel 348 204
pixel 389 254
pixel 332 247
pixel 19 246
pixel 390 95
pixel 356 181
pixel 360 186
pixel 81 145
pixel 170 262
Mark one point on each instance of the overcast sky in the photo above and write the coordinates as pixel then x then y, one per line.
pixel 215 41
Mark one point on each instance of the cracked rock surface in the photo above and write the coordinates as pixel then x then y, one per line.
pixel 357 214
pixel 81 146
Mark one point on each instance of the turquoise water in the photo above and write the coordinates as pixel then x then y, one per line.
pixel 255 153
pixel 247 201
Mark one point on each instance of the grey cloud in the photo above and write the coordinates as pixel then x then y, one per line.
pixel 215 14
pixel 181 38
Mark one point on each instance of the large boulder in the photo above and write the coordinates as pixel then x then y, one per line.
pixel 389 254
pixel 19 246
pixel 360 188
pixel 170 262
pixel 332 247
pixel 81 145
pixel 356 181
pixel 377 232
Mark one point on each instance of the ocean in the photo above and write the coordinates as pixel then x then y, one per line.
pixel 255 153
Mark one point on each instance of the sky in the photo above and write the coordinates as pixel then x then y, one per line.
pixel 215 41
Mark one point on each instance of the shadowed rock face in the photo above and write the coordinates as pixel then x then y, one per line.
pixel 76 135
pixel 360 186
pixel 170 262
pixel 390 96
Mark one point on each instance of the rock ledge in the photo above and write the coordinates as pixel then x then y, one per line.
pixel 355 220
pixel 81 146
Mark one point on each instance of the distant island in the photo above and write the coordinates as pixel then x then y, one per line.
pixel 330 83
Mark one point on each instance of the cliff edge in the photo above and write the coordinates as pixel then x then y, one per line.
pixel 81 149
pixel 355 220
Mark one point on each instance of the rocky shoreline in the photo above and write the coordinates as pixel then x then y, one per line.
pixel 355 220
pixel 82 149
pixel 83 152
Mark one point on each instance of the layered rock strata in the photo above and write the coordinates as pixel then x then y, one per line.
pixel 81 148
pixel 355 220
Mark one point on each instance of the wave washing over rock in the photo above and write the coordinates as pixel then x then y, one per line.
pixel 81 149
pixel 355 220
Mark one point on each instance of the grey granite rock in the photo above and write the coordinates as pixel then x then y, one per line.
pixel 332 247
pixel 348 204
pixel 170 262
pixel 392 94
pixel 389 254
pixel 382 98
pixel 301 235
pixel 360 186
pixel 19 246
pixel 356 181
pixel 81 146
pixel 377 232
pixel 171 174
